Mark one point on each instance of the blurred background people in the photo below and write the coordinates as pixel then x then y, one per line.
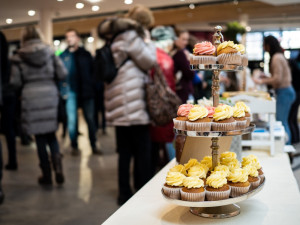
pixel 80 90
pixel 184 76
pixel 280 80
pixel 293 120
pixel 125 98
pixel 35 70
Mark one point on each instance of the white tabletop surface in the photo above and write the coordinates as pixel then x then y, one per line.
pixel 278 202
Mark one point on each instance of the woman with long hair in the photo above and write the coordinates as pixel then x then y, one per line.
pixel 280 80
pixel 35 71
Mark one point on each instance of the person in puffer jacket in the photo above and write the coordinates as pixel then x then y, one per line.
pixel 125 100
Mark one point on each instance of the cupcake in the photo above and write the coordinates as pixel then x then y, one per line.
pixel 227 53
pixel 238 181
pixel 173 185
pixel 227 155
pixel 231 163
pixel 239 116
pixel 253 160
pixel 198 119
pixel 244 57
pixel 198 171
pixel 222 168
pixel 182 113
pixel 203 53
pixel 222 119
pixel 179 168
pixel 217 187
pixel 253 177
pixel 190 163
pixel 193 189
pixel 247 111
pixel 207 161
pixel 211 111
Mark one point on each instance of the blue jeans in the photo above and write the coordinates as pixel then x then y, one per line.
pixel 284 100
pixel 88 112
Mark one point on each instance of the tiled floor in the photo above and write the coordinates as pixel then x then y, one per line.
pixel 88 197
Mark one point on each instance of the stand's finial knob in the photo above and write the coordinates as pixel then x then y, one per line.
pixel 218 28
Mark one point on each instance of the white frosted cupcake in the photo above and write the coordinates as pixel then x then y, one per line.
pixel 173 185
pixel 198 119
pixel 193 189
pixel 238 181
pixel 217 187
pixel 223 119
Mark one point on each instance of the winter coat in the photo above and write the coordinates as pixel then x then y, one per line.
pixel 84 73
pixel 34 70
pixel 125 96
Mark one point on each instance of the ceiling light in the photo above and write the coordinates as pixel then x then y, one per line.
pixel 95 8
pixel 56 42
pixel 60 0
pixel 128 2
pixel 9 21
pixel 94 1
pixel 182 0
pixel 90 39
pixel 31 13
pixel 192 6
pixel 248 28
pixel 79 5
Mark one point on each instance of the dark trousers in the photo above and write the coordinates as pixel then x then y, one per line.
pixel 8 123
pixel 133 142
pixel 1 165
pixel 293 120
pixel 42 140
pixel 99 106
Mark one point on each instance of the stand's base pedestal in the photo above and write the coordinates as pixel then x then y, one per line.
pixel 219 212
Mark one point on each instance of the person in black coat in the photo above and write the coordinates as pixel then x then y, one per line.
pixel 79 89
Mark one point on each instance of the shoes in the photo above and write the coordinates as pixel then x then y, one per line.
pixel 45 181
pixel 97 151
pixel 75 152
pixel 1 196
pixel 57 166
pixel 12 167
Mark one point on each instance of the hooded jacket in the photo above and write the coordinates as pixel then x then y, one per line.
pixel 35 70
pixel 125 96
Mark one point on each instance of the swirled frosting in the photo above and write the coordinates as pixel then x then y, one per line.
pixel 197 112
pixel 223 112
pixel 197 171
pixel 207 160
pixel 238 175
pixel 226 44
pixel 178 168
pixel 193 182
pixel 184 109
pixel 222 168
pixel 175 179
pixel 204 48
pixel 238 112
pixel 204 166
pixel 243 106
pixel 240 48
pixel 228 155
pixel 251 160
pixel 251 170
pixel 190 163
pixel 232 163
pixel 211 111
pixel 216 180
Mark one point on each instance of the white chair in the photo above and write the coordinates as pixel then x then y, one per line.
pixel 260 105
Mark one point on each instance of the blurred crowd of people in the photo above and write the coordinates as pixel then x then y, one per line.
pixel 40 89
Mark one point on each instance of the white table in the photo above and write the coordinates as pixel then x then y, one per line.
pixel 278 203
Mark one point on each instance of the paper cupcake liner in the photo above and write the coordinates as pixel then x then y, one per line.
pixel 179 124
pixel 240 124
pixel 217 195
pixel 255 184
pixel 237 191
pixel 172 192
pixel 203 59
pixel 223 126
pixel 262 178
pixel 192 197
pixel 248 119
pixel 206 126
pixel 244 60
pixel 233 58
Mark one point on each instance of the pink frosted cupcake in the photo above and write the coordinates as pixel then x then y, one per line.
pixel 182 113
pixel 198 119
pixel 211 111
pixel 203 53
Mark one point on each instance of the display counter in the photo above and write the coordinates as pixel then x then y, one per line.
pixel 278 202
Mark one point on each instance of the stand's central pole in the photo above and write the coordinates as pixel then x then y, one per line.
pixel 215 87
pixel 215 151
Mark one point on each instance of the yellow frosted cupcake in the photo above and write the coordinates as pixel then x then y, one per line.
pixel 238 181
pixel 228 54
pixel 223 119
pixel 253 177
pixel 247 111
pixel 173 184
pixel 193 189
pixel 190 163
pixel 239 116
pixel 198 119
pixel 217 187
pixel 207 160
pixel 227 155
pixel 253 160
pixel 244 58
pixel 222 168
pixel 198 171
pixel 179 168
pixel 231 163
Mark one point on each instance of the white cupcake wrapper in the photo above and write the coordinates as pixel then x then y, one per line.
pixel 223 126
pixel 192 197
pixel 217 195
pixel 198 126
pixel 179 124
pixel 240 124
pixel 237 191
pixel 206 59
pixel 262 178
pixel 230 58
pixel 172 192
pixel 255 184
pixel 248 119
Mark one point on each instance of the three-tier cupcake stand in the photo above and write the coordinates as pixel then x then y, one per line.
pixel 191 144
